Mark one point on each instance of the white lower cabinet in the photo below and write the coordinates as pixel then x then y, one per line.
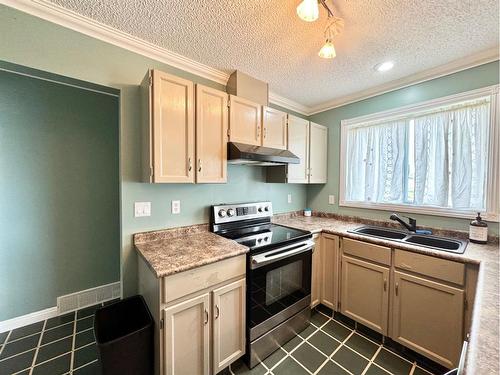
pixel 428 317
pixel 205 327
pixel 187 337
pixel 229 324
pixel 365 295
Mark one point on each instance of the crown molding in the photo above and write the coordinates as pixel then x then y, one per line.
pixel 74 21
pixel 288 104
pixel 426 75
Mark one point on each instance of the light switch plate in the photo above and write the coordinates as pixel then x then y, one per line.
pixel 176 207
pixel 331 199
pixel 142 209
pixel 289 198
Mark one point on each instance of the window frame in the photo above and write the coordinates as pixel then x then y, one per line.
pixel 493 178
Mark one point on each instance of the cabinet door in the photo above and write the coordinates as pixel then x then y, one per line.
pixel 316 273
pixel 229 324
pixel 428 318
pixel 274 124
pixel 187 336
pixel 318 153
pixel 330 257
pixel 173 128
pixel 298 143
pixel 244 121
pixel 211 135
pixel 365 295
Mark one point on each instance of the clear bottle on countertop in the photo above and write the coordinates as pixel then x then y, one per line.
pixel 478 230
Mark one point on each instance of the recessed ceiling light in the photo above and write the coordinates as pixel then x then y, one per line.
pixel 384 67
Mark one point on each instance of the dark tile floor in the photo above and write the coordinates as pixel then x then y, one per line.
pixel 61 345
pixel 66 345
pixel 330 347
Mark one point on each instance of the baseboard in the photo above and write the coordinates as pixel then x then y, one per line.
pixel 24 320
pixel 65 304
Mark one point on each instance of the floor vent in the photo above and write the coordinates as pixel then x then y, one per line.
pixel 89 297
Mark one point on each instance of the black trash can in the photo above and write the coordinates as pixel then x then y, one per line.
pixel 124 337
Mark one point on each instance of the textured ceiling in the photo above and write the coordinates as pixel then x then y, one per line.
pixel 266 39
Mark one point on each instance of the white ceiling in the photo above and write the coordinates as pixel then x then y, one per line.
pixel 266 39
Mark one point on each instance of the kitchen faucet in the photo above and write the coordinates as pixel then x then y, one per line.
pixel 411 226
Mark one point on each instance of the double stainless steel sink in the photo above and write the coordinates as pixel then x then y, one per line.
pixel 433 242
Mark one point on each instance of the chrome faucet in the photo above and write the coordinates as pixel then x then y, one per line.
pixel 411 226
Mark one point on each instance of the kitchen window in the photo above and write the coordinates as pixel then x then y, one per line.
pixel 439 157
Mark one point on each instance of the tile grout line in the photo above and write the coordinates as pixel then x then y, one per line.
pixel 72 360
pixel 5 342
pixel 95 360
pixel 37 348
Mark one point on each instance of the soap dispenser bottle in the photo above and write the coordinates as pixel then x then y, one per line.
pixel 478 230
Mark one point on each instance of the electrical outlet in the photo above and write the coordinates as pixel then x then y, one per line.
pixel 142 209
pixel 176 207
pixel 331 199
pixel 289 198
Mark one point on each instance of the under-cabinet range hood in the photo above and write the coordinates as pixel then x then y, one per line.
pixel 239 153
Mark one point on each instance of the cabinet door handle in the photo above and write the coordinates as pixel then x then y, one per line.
pixel 385 285
pixel 190 165
pixel 265 132
pixel 217 311
pixel 206 316
pixel 397 288
pixel 199 165
pixel 258 131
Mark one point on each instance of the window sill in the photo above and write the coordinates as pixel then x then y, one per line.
pixel 424 210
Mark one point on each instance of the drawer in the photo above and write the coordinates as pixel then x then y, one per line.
pixel 437 268
pixel 184 283
pixel 365 250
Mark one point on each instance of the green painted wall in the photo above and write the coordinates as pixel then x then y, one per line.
pixel 59 192
pixel 317 196
pixel 33 42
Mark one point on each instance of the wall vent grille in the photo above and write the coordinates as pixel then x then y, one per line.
pixel 89 297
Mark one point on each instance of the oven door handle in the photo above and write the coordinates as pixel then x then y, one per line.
pixel 263 259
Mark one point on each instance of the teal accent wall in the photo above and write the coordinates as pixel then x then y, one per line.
pixel 59 191
pixel 33 42
pixel 317 196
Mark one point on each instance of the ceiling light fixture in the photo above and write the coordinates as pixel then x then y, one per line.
pixel 308 10
pixel 384 67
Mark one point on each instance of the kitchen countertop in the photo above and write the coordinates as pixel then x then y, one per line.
pixel 180 249
pixel 483 350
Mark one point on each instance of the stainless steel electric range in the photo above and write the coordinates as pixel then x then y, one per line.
pixel 278 274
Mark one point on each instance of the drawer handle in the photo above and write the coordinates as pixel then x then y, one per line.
pixel 397 288
pixel 217 311
pixel 206 316
pixel 404 265
pixel 385 285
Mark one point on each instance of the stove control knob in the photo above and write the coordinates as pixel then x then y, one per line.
pixel 259 209
pixel 222 213
pixel 266 239
pixel 267 208
pixel 230 212
pixel 259 240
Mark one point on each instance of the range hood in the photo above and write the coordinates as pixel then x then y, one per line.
pixel 243 154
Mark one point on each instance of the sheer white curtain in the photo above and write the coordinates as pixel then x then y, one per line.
pixel 375 163
pixel 451 153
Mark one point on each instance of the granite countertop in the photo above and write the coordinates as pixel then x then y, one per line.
pixel 483 350
pixel 180 249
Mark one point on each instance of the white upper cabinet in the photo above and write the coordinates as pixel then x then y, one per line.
pixel 245 119
pixel 168 130
pixel 211 135
pixel 274 125
pixel 318 154
pixel 298 143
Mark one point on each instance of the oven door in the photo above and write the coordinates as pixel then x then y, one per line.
pixel 279 286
